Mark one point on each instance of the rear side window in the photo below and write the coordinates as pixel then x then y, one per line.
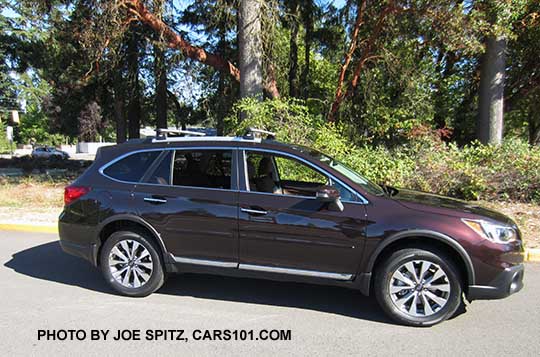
pixel 162 173
pixel 132 167
pixel 203 168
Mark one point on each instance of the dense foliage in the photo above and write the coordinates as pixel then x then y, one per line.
pixel 96 71
pixel 392 87
pixel 474 171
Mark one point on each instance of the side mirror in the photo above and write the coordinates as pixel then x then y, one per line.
pixel 330 195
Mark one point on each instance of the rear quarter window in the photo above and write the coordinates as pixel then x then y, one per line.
pixel 132 167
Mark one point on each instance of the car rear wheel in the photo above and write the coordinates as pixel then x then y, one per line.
pixel 418 287
pixel 131 264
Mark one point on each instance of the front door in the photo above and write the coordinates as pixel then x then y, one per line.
pixel 285 229
pixel 190 198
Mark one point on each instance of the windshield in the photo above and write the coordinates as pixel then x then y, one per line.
pixel 352 175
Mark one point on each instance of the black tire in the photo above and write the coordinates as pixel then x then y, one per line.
pixel 384 277
pixel 157 274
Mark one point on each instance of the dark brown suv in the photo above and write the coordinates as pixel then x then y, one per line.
pixel 248 207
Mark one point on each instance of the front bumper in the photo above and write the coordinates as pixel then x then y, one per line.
pixel 506 283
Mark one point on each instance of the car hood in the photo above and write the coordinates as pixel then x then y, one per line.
pixel 428 202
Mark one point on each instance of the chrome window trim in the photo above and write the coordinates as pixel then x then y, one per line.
pixel 290 271
pixel 242 151
pixel 205 262
pixel 123 156
pixel 362 199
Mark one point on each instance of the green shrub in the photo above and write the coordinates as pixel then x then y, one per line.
pixel 4 143
pixel 34 128
pixel 508 172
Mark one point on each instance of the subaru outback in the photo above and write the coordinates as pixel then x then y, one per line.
pixel 254 207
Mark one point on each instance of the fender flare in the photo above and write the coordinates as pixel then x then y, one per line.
pixel 138 220
pixel 450 242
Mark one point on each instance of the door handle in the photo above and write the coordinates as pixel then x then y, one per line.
pixel 253 211
pixel 155 200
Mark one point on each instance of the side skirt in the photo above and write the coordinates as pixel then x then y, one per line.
pixel 360 282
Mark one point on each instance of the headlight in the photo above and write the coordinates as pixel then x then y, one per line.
pixel 494 232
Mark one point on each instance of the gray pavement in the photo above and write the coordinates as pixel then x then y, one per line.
pixel 43 288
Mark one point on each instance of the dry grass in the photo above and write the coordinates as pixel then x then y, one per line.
pixel 39 200
pixel 30 194
pixel 42 200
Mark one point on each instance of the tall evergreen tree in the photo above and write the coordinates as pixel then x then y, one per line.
pixel 250 56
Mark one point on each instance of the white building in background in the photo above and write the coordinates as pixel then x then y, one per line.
pixel 91 147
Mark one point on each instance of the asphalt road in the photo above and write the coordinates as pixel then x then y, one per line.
pixel 43 288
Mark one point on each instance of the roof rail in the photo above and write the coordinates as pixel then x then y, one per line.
pixel 254 133
pixel 163 133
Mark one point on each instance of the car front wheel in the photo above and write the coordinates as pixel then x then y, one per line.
pixel 418 287
pixel 131 264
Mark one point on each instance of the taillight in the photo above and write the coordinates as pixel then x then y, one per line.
pixel 73 193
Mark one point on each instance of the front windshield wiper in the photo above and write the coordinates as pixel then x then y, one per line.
pixel 389 190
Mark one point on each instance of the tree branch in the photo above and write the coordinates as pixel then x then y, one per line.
pixel 175 41
pixel 367 55
pixel 352 47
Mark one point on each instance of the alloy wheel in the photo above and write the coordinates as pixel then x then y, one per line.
pixel 419 288
pixel 130 263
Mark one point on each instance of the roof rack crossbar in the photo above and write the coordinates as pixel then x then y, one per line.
pixel 254 133
pixel 162 133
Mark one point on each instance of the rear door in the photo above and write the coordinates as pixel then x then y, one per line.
pixel 190 198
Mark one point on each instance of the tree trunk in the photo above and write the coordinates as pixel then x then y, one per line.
pixel 347 60
pixel 160 72
pixel 249 40
pixel 534 126
pixel 223 97
pixel 222 104
pixel 441 108
pixel 490 116
pixel 118 105
pixel 179 115
pixel 367 55
pixel 120 117
pixel 308 24
pixel 293 51
pixel 270 85
pixel 134 105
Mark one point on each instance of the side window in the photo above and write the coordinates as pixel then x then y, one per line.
pixel 162 173
pixel 345 194
pixel 203 168
pixel 292 170
pixel 295 175
pixel 132 167
pixel 284 175
pixel 262 176
pixel 281 175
